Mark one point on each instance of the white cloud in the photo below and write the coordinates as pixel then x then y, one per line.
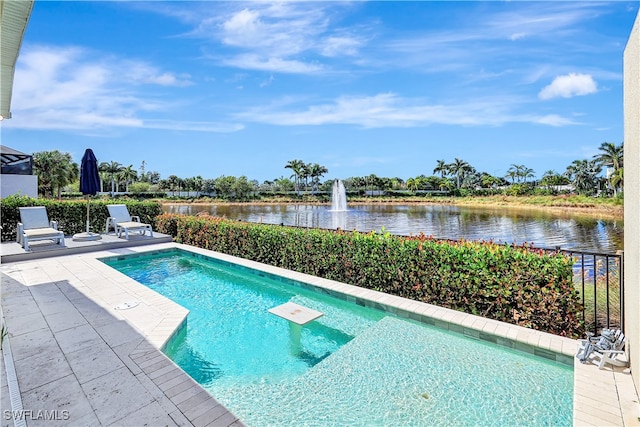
pixel 286 37
pixel 268 81
pixel 568 86
pixel 142 73
pixel 64 88
pixel 281 65
pixel 193 126
pixel 338 46
pixel 242 23
pixel 390 110
pixel 277 30
pixel 517 36
pixel 554 120
pixel 365 161
pixel 542 20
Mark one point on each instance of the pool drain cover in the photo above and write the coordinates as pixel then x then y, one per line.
pixel 127 305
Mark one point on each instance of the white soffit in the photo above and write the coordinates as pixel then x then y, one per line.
pixel 14 15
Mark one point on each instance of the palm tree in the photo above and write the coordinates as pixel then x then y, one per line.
pixel 397 183
pixel 54 170
pixel 412 184
pixel 189 183
pixel 284 184
pixel 43 166
pixel 488 180
pixel 112 169
pixel 459 168
pixel 515 172
pixel 617 178
pixel 583 174
pixel 373 181
pixel 66 171
pixel 316 172
pixel 198 183
pixel 527 173
pixel 552 178
pixel 442 168
pixel 175 183
pixel 611 156
pixel 548 177
pixel 104 177
pixel 143 175
pixel 127 175
pixel 305 174
pixel 356 183
pixel 297 166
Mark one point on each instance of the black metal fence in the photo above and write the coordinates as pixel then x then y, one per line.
pixel 599 278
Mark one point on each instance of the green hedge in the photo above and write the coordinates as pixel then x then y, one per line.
pixel 511 284
pixel 72 214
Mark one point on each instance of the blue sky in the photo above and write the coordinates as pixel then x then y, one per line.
pixel 232 88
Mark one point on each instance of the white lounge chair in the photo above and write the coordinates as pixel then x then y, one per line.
pixel 122 221
pixel 35 225
pixel 606 348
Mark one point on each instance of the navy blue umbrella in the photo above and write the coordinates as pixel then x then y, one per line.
pixel 89 176
pixel 89 184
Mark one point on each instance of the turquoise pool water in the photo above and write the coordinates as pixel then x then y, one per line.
pixel 354 366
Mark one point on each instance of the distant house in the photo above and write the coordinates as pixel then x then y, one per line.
pixel 17 174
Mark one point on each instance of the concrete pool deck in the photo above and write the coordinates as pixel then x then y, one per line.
pixel 79 360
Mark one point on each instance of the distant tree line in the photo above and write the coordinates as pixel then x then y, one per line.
pixel 57 172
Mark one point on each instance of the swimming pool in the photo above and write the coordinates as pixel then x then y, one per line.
pixel 353 366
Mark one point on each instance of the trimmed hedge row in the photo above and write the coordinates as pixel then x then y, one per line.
pixel 510 284
pixel 72 215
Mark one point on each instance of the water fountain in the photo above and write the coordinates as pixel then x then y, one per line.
pixel 338 197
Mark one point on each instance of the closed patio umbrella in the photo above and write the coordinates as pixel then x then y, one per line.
pixel 89 186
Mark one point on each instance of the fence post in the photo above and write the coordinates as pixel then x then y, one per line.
pixel 621 279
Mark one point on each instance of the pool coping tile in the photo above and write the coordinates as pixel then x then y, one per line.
pixel 80 279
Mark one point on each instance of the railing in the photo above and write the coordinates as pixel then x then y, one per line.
pixel 599 278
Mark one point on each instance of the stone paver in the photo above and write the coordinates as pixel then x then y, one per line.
pixel 40 369
pixel 93 362
pixel 64 396
pixel 75 355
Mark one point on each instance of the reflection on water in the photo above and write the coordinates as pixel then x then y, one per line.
pixel 511 225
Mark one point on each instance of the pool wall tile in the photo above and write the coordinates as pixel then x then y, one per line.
pixel 456 328
pixel 414 316
pixel 524 347
pixel 471 333
pixel 441 324
pixel 505 342
pixel 427 319
pixel 488 337
pixel 547 354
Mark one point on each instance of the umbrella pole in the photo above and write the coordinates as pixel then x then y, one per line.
pixel 88 213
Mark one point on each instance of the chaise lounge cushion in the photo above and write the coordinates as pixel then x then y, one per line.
pixel 42 233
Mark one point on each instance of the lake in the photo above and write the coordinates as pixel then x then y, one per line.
pixel 505 225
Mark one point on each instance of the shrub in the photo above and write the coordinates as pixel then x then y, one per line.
pixel 521 189
pixel 512 284
pixel 139 187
